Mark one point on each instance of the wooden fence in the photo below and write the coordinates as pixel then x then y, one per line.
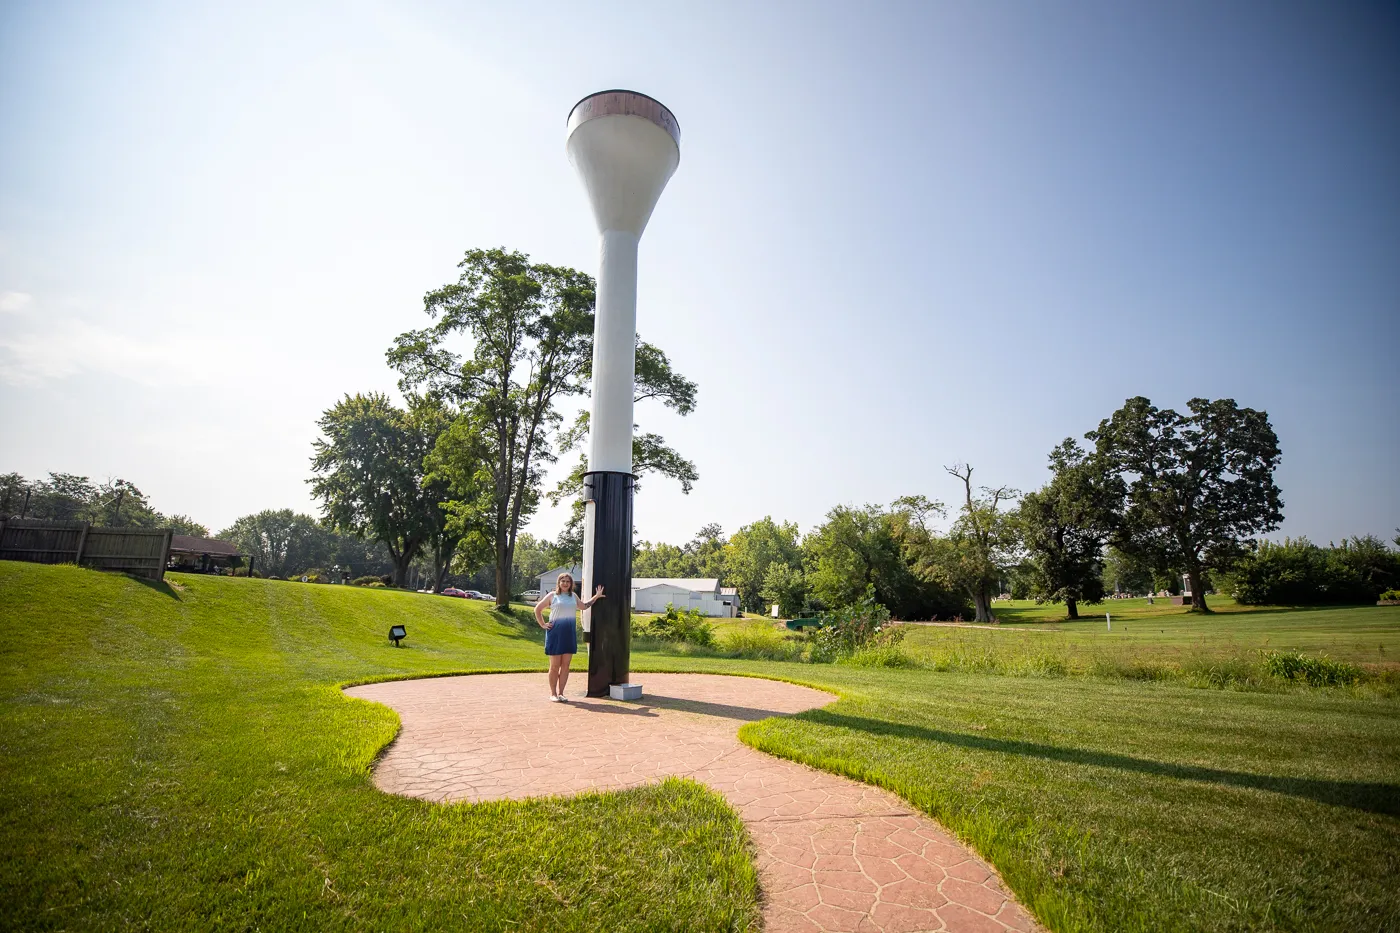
pixel 140 551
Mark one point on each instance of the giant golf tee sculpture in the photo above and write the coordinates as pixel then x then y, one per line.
pixel 626 146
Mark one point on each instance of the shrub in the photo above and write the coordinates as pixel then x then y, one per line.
pixel 370 580
pixel 849 630
pixel 1391 596
pixel 1298 573
pixel 1320 671
pixel 678 625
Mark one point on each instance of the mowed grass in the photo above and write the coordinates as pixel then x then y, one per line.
pixel 184 759
pixel 1123 805
pixel 164 762
pixel 1164 633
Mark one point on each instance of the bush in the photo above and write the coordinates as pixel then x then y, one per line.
pixel 1299 573
pixel 847 631
pixel 1390 596
pixel 678 625
pixel 370 580
pixel 1320 671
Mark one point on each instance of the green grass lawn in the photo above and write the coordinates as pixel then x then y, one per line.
pixel 186 760
pixel 1360 634
pixel 183 759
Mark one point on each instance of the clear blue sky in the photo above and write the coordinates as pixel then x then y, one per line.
pixel 901 236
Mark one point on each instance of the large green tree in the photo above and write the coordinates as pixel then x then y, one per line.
pixel 529 334
pixel 890 551
pixel 1066 524
pixel 371 474
pixel 752 551
pixel 1200 486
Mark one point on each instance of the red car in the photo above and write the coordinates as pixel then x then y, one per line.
pixel 453 591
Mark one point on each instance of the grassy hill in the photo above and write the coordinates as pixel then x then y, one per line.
pixel 183 758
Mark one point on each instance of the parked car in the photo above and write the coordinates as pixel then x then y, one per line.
pixel 486 596
pixel 453 591
pixel 471 594
pixel 531 596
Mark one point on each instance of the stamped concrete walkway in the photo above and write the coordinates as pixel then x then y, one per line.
pixel 833 854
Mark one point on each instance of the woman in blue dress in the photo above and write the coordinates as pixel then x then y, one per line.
pixel 561 631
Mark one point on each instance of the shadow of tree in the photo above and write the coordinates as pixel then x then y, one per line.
pixel 1356 795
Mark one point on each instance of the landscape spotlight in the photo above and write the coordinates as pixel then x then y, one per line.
pixel 396 632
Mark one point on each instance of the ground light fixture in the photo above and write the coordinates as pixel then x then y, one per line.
pixel 397 632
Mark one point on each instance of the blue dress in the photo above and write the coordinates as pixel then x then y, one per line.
pixel 563 637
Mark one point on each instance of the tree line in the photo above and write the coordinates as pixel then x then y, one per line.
pixel 68 497
pixel 444 482
pixel 1156 497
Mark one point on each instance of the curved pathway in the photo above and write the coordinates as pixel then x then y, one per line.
pixel 833 854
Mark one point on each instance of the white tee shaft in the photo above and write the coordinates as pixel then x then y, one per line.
pixel 614 354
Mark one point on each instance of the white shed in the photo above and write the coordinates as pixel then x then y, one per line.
pixel 653 594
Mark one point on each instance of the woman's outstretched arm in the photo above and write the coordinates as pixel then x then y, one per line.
pixel 586 603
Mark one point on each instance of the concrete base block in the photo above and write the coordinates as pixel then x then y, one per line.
pixel 625 691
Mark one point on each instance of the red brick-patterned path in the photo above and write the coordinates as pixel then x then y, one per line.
pixel 833 854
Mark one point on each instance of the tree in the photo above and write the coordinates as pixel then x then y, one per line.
pixel 371 468
pixel 281 542
pixel 655 379
pixel 752 550
pixel 533 556
pixel 1125 574
pixel 13 489
pixel 1065 525
pixel 427 421
pixel 785 586
pixel 1199 486
pixel 981 542
pixel 531 328
pixel 64 497
pixel 889 550
pixel 184 525
pixel 702 556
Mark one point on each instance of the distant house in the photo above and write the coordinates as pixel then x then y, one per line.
pixel 202 555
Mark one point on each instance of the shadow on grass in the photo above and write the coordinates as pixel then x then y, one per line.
pixel 160 586
pixel 1356 795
